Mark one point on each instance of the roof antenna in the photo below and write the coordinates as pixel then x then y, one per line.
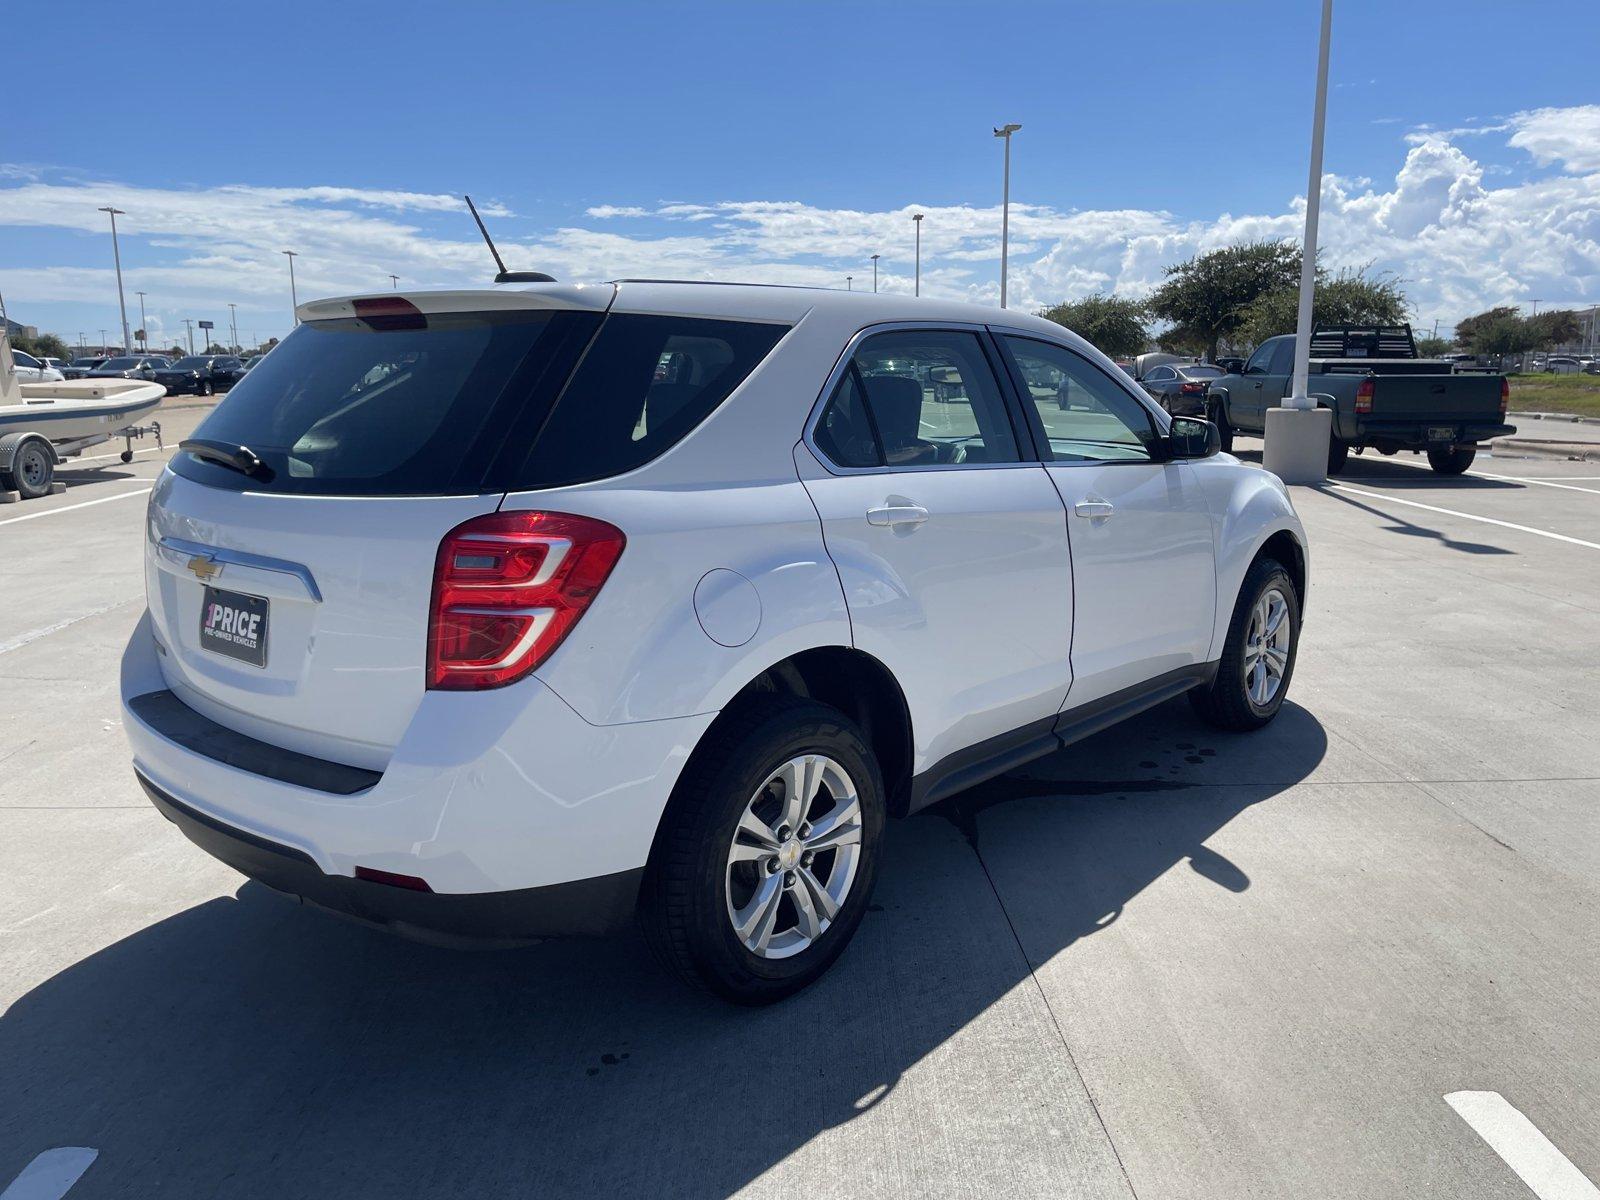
pixel 505 276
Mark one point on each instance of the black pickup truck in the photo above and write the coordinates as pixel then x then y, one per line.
pixel 1381 395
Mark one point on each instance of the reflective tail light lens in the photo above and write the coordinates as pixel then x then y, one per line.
pixel 1505 396
pixel 507 589
pixel 1192 389
pixel 1364 396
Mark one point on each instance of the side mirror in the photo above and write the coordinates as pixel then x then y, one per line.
pixel 1191 437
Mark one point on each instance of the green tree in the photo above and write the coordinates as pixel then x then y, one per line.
pixel 1503 335
pixel 1350 297
pixel 1470 329
pixel 1206 298
pixel 46 345
pixel 1111 324
pixel 1434 347
pixel 1554 328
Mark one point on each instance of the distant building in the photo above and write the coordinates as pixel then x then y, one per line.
pixel 17 330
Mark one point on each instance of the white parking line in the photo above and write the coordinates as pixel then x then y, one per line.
pixel 33 635
pixel 50 512
pixel 1534 1157
pixel 1450 512
pixel 1565 483
pixel 51 1174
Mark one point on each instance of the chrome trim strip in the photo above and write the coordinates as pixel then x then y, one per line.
pixel 243 558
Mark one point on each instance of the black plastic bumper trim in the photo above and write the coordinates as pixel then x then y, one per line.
pixel 591 907
pixel 177 722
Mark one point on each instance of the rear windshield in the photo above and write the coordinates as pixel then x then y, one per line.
pixel 474 402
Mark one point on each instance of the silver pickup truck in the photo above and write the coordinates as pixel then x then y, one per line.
pixel 1381 394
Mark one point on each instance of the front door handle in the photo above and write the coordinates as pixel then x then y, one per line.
pixel 896 515
pixel 1095 510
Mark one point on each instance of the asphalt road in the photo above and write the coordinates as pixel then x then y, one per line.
pixel 1167 963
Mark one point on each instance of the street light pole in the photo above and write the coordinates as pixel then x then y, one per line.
pixel 1298 433
pixel 916 219
pixel 849 283
pixel 233 324
pixel 144 326
pixel 1005 131
pixel 127 342
pixel 294 298
pixel 395 281
pixel 189 325
pixel 874 274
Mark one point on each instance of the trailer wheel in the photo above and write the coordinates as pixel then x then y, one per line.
pixel 33 469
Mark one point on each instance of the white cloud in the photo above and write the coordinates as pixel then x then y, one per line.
pixel 1570 136
pixel 1460 242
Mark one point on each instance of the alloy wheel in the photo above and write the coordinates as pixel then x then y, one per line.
pixel 1266 647
pixel 793 858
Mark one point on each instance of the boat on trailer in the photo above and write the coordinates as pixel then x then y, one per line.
pixel 43 423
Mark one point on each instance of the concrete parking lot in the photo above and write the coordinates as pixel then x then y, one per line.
pixel 1168 963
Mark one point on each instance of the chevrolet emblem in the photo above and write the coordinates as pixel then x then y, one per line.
pixel 204 567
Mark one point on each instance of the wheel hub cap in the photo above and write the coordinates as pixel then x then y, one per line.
pixel 1266 647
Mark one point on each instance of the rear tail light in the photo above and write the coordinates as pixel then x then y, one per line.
pixel 1364 396
pixel 411 883
pixel 1505 396
pixel 507 588
pixel 1193 389
pixel 390 312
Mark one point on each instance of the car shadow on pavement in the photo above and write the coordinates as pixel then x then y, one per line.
pixel 248 1047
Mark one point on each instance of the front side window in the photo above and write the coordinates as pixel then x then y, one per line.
pixel 1260 361
pixel 918 398
pixel 1088 417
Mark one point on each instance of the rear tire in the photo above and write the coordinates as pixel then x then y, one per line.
pixel 33 469
pixel 1235 699
pixel 1453 461
pixel 1338 456
pixel 707 868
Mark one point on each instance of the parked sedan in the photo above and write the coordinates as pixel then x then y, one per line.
pixel 1180 388
pixel 30 370
pixel 79 367
pixel 140 366
pixel 200 374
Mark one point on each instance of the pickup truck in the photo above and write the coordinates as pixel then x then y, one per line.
pixel 1381 394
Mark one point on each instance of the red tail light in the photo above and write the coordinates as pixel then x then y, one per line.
pixel 1364 396
pixel 390 312
pixel 507 588
pixel 1193 389
pixel 1505 396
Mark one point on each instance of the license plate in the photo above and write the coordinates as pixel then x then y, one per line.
pixel 1441 433
pixel 234 625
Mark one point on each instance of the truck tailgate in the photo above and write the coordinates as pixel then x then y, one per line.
pixel 1436 397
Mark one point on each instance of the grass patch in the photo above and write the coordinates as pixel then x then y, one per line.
pixel 1556 393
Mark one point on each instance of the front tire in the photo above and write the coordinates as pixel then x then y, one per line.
pixel 33 469
pixel 1452 460
pixel 1259 655
pixel 766 857
pixel 204 389
pixel 1219 418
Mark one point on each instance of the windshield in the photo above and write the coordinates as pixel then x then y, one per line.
pixel 119 364
pixel 191 363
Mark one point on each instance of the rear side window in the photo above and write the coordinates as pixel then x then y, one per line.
pixel 644 384
pixel 345 409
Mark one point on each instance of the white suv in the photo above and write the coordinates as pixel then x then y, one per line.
pixel 495 615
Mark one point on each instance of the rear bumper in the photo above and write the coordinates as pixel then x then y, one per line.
pixel 583 907
pixel 1413 435
pixel 487 796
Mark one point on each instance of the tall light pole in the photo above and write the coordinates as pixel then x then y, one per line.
pixel 1298 432
pixel 394 281
pixel 916 219
pixel 233 324
pixel 849 283
pixel 294 298
pixel 1005 131
pixel 144 326
pixel 189 325
pixel 103 346
pixel 127 342
pixel 875 274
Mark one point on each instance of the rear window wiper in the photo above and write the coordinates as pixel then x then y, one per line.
pixel 240 458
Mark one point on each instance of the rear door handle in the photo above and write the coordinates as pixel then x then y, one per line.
pixel 1095 510
pixel 895 515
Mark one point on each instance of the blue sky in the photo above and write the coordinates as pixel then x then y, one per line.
pixel 786 142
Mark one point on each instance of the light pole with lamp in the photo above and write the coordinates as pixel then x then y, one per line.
pixel 1005 131
pixel 294 298
pixel 849 283
pixel 116 254
pixel 874 274
pixel 394 281
pixel 233 325
pixel 916 219
pixel 144 325
pixel 1298 433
